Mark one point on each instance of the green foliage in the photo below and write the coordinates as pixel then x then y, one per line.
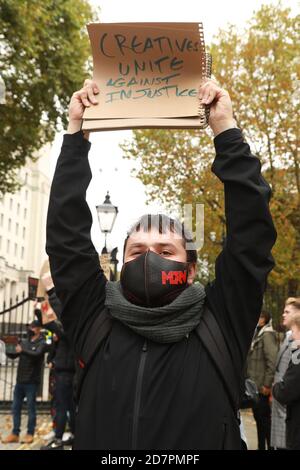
pixel 44 53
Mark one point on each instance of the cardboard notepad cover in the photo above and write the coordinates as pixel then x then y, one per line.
pixel 148 75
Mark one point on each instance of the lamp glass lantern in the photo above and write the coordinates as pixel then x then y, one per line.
pixel 107 214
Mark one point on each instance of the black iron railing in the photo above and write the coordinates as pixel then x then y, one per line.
pixel 14 321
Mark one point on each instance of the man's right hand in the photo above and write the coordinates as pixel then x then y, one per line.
pixel 80 100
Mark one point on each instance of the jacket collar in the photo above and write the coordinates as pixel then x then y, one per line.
pixel 264 329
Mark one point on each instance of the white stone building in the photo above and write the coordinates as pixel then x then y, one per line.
pixel 23 228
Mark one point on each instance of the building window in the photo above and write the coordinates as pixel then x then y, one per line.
pixel 17 228
pixel 9 225
pixel 24 232
pixel 11 203
pixel 18 209
pixel 26 178
pixel 1 220
pixel 16 249
pixel 22 252
pixel 26 195
pixel 8 246
pixel 0 242
pixel 25 213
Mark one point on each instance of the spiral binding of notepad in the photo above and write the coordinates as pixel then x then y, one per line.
pixel 208 75
pixel 206 66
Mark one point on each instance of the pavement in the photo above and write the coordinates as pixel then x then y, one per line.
pixel 250 429
pixel 44 426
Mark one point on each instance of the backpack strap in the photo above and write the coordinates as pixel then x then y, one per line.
pixel 95 337
pixel 212 338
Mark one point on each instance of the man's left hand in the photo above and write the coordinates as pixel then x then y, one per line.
pixel 221 113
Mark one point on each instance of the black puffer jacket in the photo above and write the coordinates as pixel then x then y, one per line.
pixel 31 360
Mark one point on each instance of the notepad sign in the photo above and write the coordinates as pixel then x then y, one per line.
pixel 146 70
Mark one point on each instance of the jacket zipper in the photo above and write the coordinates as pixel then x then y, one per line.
pixel 138 391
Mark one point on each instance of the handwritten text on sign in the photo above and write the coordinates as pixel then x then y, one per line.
pixel 151 69
pixel 165 63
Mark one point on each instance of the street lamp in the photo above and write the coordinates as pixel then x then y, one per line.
pixel 114 261
pixel 107 214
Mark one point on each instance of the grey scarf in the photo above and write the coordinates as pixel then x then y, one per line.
pixel 167 324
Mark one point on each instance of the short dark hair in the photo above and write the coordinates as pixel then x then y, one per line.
pixel 163 223
pixel 266 315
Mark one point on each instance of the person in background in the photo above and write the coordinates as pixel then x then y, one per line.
pixel 287 390
pixel 50 435
pixel 63 363
pixel 261 369
pixel 278 416
pixel 44 314
pixel 31 353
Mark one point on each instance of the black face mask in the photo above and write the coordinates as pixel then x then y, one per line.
pixel 152 281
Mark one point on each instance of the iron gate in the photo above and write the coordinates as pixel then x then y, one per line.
pixel 14 321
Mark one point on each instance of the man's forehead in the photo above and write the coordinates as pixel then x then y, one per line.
pixel 153 236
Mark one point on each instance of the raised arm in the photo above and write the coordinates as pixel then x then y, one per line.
pixel 53 300
pixel 74 263
pixel 241 269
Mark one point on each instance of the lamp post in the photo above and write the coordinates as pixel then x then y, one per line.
pixel 114 261
pixel 107 214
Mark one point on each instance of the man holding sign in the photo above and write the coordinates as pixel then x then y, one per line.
pixel 151 383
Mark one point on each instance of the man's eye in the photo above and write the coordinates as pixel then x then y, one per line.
pixel 166 253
